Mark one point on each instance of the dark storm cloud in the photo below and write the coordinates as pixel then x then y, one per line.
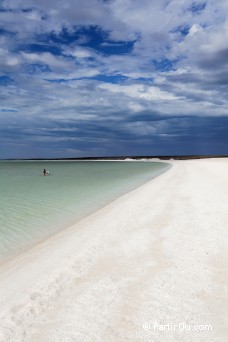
pixel 217 60
pixel 111 77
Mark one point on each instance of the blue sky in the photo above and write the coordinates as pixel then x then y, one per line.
pixel 116 77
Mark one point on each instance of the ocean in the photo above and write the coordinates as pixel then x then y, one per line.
pixel 32 207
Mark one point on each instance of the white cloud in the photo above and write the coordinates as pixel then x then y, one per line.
pixel 194 29
pixel 8 59
pixel 79 52
pixel 46 58
pixel 139 91
pixel 196 44
pixel 135 107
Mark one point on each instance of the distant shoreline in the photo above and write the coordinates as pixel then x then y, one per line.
pixel 166 157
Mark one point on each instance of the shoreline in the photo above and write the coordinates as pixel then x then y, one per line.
pixel 126 158
pixel 82 216
pixel 152 255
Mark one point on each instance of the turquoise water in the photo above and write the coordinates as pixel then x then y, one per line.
pixel 33 206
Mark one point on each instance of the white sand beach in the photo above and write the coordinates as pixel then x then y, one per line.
pixel 155 257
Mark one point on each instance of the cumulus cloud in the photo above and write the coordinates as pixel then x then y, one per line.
pixel 76 67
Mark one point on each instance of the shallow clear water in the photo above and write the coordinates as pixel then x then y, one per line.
pixel 33 206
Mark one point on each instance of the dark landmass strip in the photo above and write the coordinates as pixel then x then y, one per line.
pixel 134 157
pixel 148 157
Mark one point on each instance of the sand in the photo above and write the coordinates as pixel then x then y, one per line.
pixel 155 257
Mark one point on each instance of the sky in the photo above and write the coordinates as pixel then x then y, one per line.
pixel 83 78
